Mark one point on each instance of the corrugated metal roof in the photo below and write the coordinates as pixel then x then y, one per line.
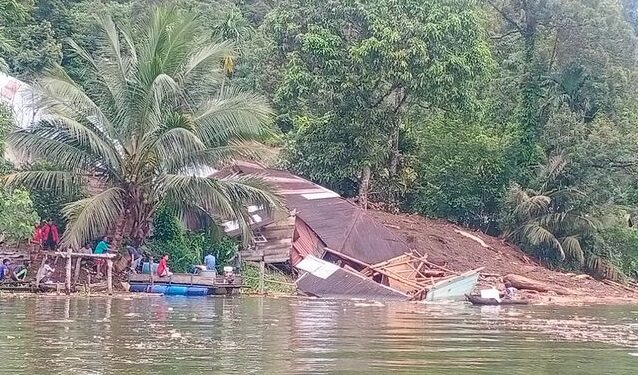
pixel 331 281
pixel 341 225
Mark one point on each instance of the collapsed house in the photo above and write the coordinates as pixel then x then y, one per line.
pixel 338 249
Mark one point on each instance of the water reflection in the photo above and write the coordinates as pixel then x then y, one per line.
pixel 158 335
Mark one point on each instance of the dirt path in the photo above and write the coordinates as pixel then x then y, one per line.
pixel 462 249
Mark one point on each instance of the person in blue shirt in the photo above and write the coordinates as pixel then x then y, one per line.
pixel 101 248
pixel 210 261
pixel 4 269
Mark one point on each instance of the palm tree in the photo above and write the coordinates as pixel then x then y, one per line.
pixel 146 126
pixel 545 217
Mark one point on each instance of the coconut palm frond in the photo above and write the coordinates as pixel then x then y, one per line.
pixel 533 206
pixel 226 198
pixel 571 247
pixel 61 95
pixel 177 144
pixel 82 53
pixel 602 268
pixel 92 217
pixel 566 193
pixel 550 171
pixel 48 144
pixel 536 235
pixel 110 41
pixel 552 220
pixel 218 156
pixel 64 182
pixel 236 115
pixel 88 139
pixel 204 59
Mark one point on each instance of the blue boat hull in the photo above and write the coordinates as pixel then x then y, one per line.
pixel 173 290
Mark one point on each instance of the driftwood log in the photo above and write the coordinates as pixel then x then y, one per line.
pixel 521 282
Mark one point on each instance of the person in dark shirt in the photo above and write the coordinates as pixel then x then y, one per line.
pixel 136 257
pixel 19 273
pixel 4 269
pixel 50 236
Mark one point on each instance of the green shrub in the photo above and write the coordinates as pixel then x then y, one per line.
pixel 186 248
pixel 18 217
pixel 620 246
pixel 462 172
pixel 274 281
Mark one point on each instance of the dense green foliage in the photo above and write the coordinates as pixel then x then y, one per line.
pixel 187 248
pixel 516 117
pixel 275 281
pixel 17 213
pixel 346 76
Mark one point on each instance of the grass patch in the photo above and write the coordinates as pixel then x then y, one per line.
pixel 275 282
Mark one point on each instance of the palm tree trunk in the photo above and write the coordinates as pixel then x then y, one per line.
pixel 364 186
pixel 399 99
pixel 118 236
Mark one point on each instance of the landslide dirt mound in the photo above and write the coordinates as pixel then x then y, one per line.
pixel 461 249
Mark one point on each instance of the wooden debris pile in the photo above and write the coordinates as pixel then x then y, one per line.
pixel 410 273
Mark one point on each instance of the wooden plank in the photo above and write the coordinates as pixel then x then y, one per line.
pixel 184 279
pixel 109 276
pixel 78 265
pixel 68 273
pixel 83 255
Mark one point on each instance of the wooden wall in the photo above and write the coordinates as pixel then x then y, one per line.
pixel 279 239
pixel 305 242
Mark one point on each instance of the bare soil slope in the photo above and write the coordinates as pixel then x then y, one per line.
pixel 450 246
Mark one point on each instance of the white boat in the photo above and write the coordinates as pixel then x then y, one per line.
pixel 454 288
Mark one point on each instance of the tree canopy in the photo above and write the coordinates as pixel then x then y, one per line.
pixel 453 109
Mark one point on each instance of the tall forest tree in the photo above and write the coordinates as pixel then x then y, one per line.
pixel 345 73
pixel 540 45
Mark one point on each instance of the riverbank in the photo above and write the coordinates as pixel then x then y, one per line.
pixel 460 249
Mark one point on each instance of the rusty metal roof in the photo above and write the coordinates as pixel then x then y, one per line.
pixel 341 225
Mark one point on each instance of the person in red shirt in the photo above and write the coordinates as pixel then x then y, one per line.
pixel 50 236
pixel 37 239
pixel 37 233
pixel 162 268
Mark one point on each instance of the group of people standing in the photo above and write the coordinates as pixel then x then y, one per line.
pixel 46 235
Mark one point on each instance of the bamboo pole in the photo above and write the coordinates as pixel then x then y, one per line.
pixel 68 272
pixel 78 266
pixel 109 276
pixel 262 274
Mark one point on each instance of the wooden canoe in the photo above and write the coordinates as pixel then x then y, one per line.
pixel 477 300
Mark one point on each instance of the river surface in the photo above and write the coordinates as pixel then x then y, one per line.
pixel 250 335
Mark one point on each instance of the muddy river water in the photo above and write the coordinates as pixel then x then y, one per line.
pixel 251 335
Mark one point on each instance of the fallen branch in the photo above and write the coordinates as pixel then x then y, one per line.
pixel 474 238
